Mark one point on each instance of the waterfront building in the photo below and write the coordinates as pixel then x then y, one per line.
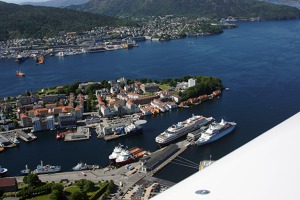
pixel 144 99
pixel 83 86
pixel 132 95
pixel 192 82
pixel 150 87
pixel 78 112
pixel 67 120
pixel 93 119
pixel 25 120
pixel 49 98
pixel 105 111
pixel 122 81
pixel 25 100
pixel 176 98
pixel 6 124
pixel 50 122
pixel 43 123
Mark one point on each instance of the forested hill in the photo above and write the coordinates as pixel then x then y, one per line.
pixel 207 8
pixel 35 22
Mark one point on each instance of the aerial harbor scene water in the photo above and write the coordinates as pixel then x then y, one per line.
pixel 257 64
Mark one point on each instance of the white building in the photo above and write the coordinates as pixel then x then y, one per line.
pixel 192 82
pixel 50 122
pixel 105 111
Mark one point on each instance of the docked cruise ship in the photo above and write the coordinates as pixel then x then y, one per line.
pixel 215 131
pixel 181 129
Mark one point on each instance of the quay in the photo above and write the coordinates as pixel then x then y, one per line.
pixel 108 125
pixel 24 136
pixel 126 179
pixel 82 133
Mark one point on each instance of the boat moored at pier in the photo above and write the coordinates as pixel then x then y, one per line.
pixel 25 171
pixel 122 156
pixel 181 129
pixel 80 166
pixel 116 152
pixel 46 169
pixel 215 131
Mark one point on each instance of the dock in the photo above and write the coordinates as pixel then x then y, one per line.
pixel 162 157
pixel 24 136
pixel 82 133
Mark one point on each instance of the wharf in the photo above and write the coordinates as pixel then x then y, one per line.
pixel 163 159
pixel 24 136
pixel 82 133
pixel 126 179
pixel 5 141
pixel 107 126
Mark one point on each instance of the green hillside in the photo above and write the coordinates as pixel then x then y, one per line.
pixel 209 8
pixel 35 22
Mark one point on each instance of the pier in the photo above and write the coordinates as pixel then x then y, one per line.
pixel 82 133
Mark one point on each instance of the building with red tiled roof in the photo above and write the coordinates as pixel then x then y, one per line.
pixel 25 120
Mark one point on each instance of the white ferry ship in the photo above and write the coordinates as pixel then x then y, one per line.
pixel 215 131
pixel 181 129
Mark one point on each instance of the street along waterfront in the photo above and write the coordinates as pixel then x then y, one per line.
pixel 258 62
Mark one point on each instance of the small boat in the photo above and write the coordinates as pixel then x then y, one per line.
pixel 80 166
pixel 58 137
pixel 20 58
pixel 2 149
pixel 16 141
pixel 25 171
pixel 19 73
pixel 2 171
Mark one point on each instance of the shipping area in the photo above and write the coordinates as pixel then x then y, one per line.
pixel 129 178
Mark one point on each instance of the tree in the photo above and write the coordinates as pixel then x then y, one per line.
pixel 79 195
pixel 58 187
pixel 72 88
pixel 33 179
pixel 88 186
pixel 56 195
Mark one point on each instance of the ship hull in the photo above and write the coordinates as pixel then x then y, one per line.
pixel 217 136
pixel 119 164
pixel 161 145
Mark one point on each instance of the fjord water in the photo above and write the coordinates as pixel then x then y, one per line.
pixel 259 62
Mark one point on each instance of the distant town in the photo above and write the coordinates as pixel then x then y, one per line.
pixel 107 38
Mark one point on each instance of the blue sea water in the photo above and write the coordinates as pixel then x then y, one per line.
pixel 259 62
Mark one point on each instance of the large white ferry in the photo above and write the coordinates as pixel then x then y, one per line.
pixel 181 129
pixel 215 131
